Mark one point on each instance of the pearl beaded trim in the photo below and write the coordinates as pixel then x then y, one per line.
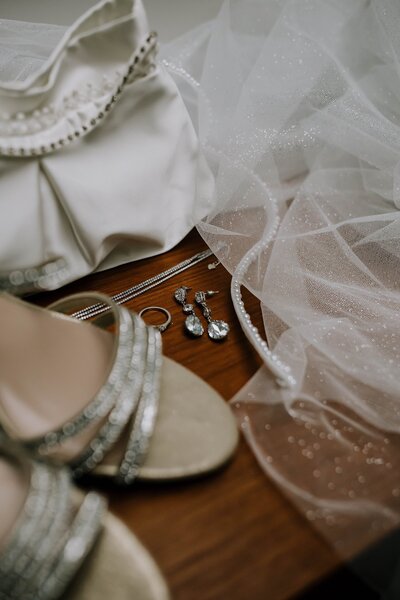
pixel 282 372
pixel 208 119
pixel 29 125
pixel 272 360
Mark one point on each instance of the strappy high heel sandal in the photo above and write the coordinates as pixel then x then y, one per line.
pixel 56 542
pixel 136 414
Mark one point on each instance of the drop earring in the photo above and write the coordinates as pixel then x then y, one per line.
pixel 192 322
pixel 217 329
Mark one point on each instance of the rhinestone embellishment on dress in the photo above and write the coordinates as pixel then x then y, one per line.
pixel 18 132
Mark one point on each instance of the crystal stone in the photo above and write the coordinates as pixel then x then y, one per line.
pixel 194 326
pixel 180 294
pixel 218 330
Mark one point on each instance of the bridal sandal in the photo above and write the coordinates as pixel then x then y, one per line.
pixel 56 542
pixel 148 418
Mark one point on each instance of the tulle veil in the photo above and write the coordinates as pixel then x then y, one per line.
pixel 297 105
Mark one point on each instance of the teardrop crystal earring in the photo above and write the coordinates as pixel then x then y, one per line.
pixel 192 322
pixel 217 329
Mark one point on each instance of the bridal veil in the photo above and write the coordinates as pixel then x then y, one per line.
pixel 297 106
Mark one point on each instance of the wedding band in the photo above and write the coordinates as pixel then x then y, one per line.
pixel 163 326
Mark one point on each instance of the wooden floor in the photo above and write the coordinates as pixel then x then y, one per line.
pixel 231 535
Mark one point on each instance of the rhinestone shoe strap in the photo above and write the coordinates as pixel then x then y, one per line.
pixel 57 507
pixel 123 408
pixel 49 544
pixel 129 395
pixel 137 403
pixel 102 403
pixel 145 416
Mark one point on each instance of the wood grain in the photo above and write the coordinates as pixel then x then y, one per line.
pixel 231 535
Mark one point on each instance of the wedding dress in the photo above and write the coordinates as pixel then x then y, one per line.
pixel 99 162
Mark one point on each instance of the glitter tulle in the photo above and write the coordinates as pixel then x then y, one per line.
pixel 297 105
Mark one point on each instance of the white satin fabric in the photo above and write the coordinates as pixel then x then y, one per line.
pixel 130 187
pixel 297 105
